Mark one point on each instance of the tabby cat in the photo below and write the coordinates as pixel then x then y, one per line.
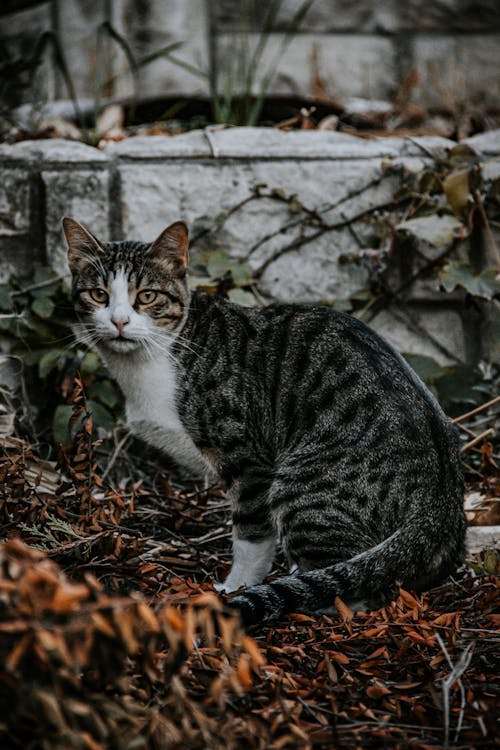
pixel 324 437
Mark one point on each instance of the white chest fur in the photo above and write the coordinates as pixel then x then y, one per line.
pixel 150 390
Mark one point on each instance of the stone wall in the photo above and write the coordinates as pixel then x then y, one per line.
pixel 345 49
pixel 261 197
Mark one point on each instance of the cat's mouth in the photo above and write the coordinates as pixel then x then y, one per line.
pixel 122 344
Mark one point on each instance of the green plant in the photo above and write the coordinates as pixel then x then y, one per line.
pixel 239 86
pixel 36 321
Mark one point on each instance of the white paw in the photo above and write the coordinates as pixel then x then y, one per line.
pixel 228 586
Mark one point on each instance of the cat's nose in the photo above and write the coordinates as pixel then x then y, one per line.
pixel 120 323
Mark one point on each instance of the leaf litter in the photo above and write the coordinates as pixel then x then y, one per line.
pixel 111 635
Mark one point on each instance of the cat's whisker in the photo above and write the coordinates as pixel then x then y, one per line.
pixel 180 341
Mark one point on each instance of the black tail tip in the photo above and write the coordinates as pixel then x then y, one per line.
pixel 247 612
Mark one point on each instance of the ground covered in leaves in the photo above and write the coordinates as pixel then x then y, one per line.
pixel 111 635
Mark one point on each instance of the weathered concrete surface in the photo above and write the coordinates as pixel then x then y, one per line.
pixel 434 332
pixel 380 16
pixel 55 150
pixel 482 537
pixel 363 48
pixel 81 194
pixel 14 202
pixel 254 143
pixel 486 143
pixel 349 64
pixel 457 70
pixel 152 26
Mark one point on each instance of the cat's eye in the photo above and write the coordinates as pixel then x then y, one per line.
pixel 146 296
pixel 99 295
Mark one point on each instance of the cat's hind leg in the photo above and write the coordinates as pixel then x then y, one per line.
pixel 254 538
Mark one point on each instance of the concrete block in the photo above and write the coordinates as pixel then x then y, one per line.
pixel 151 26
pixel 253 143
pixel 480 538
pixel 419 145
pixel 263 228
pixel 270 143
pixel 322 17
pixel 14 202
pixel 447 343
pixel 199 192
pixel 19 33
pixel 457 70
pixel 81 194
pixel 313 273
pixel 188 145
pixel 78 23
pixel 350 64
pixel 491 169
pixel 381 16
pixel 487 144
pixel 49 151
pixel 446 16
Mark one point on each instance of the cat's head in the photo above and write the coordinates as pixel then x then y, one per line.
pixel 129 294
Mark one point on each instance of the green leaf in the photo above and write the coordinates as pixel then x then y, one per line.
pixel 100 415
pixel 437 231
pixel 104 391
pixel 49 361
pixel 494 323
pixel 33 356
pixel 456 189
pixel 457 385
pixel 6 302
pixel 90 363
pixel 426 367
pixel 490 561
pixel 43 307
pixel 45 291
pixel 217 263
pixel 241 297
pixel 60 421
pixel 43 331
pixel 241 274
pixel 486 284
pixel 43 274
pixel 462 154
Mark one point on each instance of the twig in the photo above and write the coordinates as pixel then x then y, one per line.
pixel 199 654
pixel 40 285
pixel 482 436
pixel 315 214
pixel 477 410
pixel 218 224
pixel 457 670
pixel 327 228
pixel 115 455
pixel 423 148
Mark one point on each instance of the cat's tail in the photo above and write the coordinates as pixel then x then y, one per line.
pixel 415 557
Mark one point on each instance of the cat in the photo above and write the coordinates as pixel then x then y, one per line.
pixel 324 437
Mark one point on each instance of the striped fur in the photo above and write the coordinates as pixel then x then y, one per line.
pixel 324 437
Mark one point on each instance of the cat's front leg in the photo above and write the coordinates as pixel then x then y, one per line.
pixel 252 561
pixel 254 538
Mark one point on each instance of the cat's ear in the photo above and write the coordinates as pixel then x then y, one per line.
pixel 171 248
pixel 81 243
